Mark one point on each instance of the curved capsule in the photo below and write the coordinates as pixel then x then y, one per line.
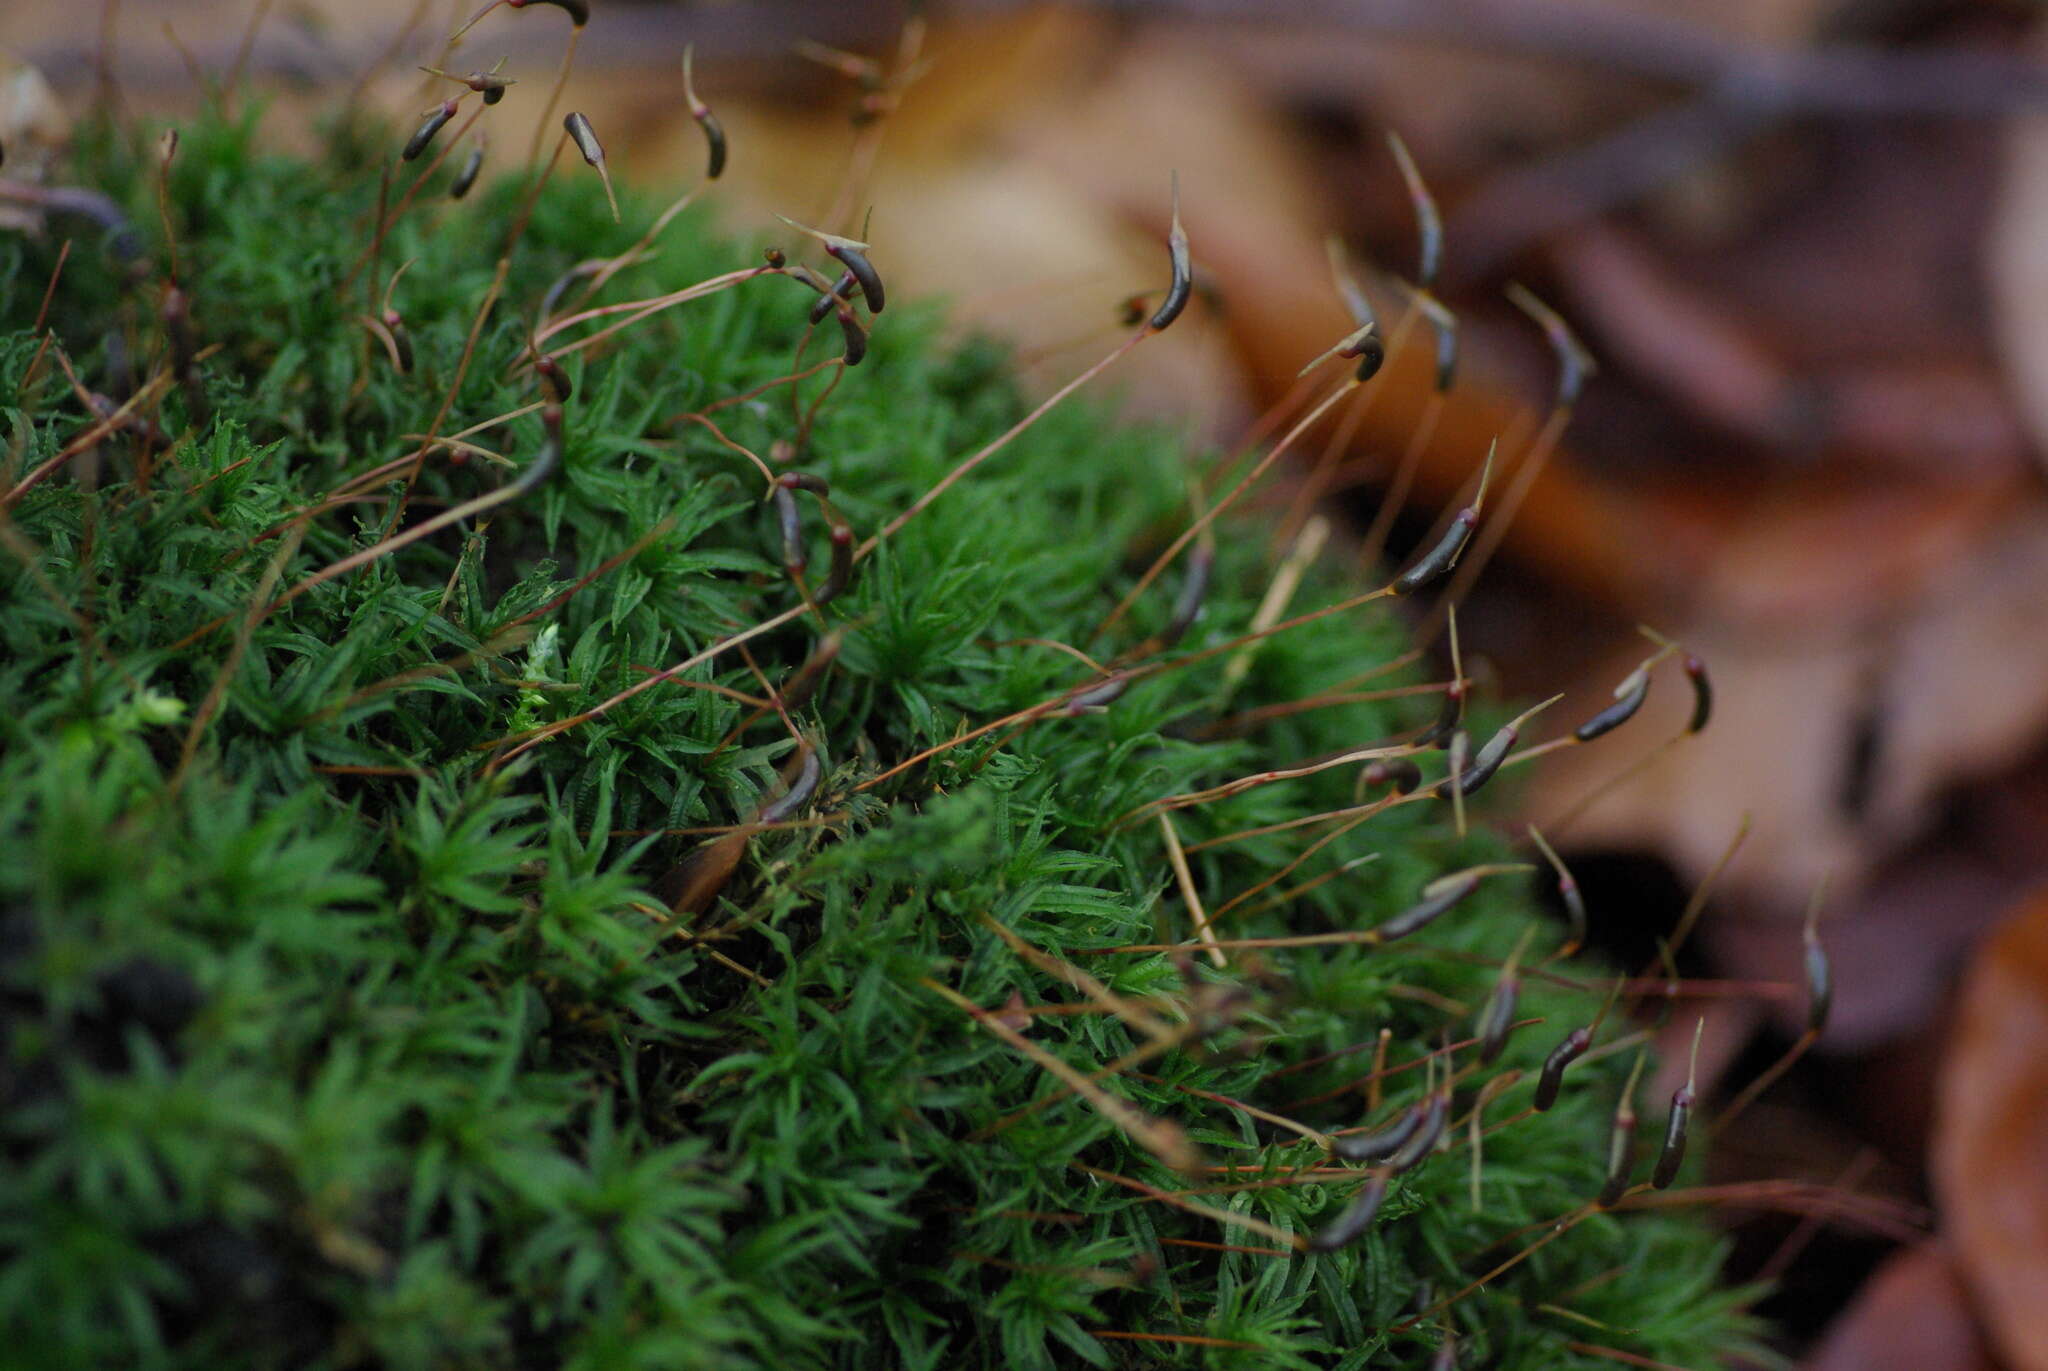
pixel 1621 1143
pixel 800 273
pixel 553 379
pixel 1183 283
pixel 799 792
pixel 828 300
pixel 585 137
pixel 1631 693
pixel 1187 606
pixel 1356 1218
pixel 1563 1055
pixel 1448 718
pixel 841 573
pixel 1820 981
pixel 1702 692
pixel 578 125
pixel 1672 1155
pixel 1437 897
pixel 559 287
pixel 577 10
pixel 424 134
pixel 401 340
pixel 547 460
pixel 1621 1160
pixel 1369 350
pixel 1568 891
pixel 862 270
pixel 1575 365
pixel 796 692
pixel 1441 558
pixel 714 132
pixel 1097 696
pixel 1494 752
pixel 1372 355
pixel 1403 774
pixel 789 520
pixel 804 480
pixel 1429 223
pixel 1444 326
pixel 856 337
pixel 1485 762
pixel 714 138
pixel 1424 1141
pixel 121 238
pixel 466 178
pixel 1497 1016
pixel 1366 1147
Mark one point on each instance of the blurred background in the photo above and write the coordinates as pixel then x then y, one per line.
pixel 1807 241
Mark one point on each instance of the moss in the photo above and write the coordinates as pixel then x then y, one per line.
pixel 330 1043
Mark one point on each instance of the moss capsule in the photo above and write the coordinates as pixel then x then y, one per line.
pixel 856 337
pixel 799 792
pixel 863 271
pixel 1183 282
pixel 1820 976
pixel 714 132
pixel 1497 1015
pixel 1567 891
pixel 1575 365
pixel 1672 1155
pixel 401 340
pixel 1098 696
pixel 1563 1055
pixel 1365 1147
pixel 1187 607
pixel 1423 1141
pixel 1401 773
pixel 553 380
pixel 466 177
pixel 789 522
pixel 1449 716
pixel 1702 692
pixel 1437 897
pixel 828 300
pixel 1429 223
pixel 585 137
pixel 577 10
pixel 424 134
pixel 1372 355
pixel 805 481
pixel 1679 1122
pixel 1434 563
pixel 1621 1142
pixel 1629 697
pixel 1356 1218
pixel 840 575
pixel 1443 327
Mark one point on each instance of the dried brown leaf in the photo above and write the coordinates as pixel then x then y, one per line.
pixel 1912 1315
pixel 1991 1144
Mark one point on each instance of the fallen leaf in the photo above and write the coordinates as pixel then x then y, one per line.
pixel 1990 1156
pixel 33 130
pixel 1912 1315
pixel 2018 267
pixel 1868 653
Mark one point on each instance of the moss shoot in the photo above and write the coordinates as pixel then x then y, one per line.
pixel 334 1034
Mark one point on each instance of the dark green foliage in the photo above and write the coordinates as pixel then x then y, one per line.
pixel 337 1047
